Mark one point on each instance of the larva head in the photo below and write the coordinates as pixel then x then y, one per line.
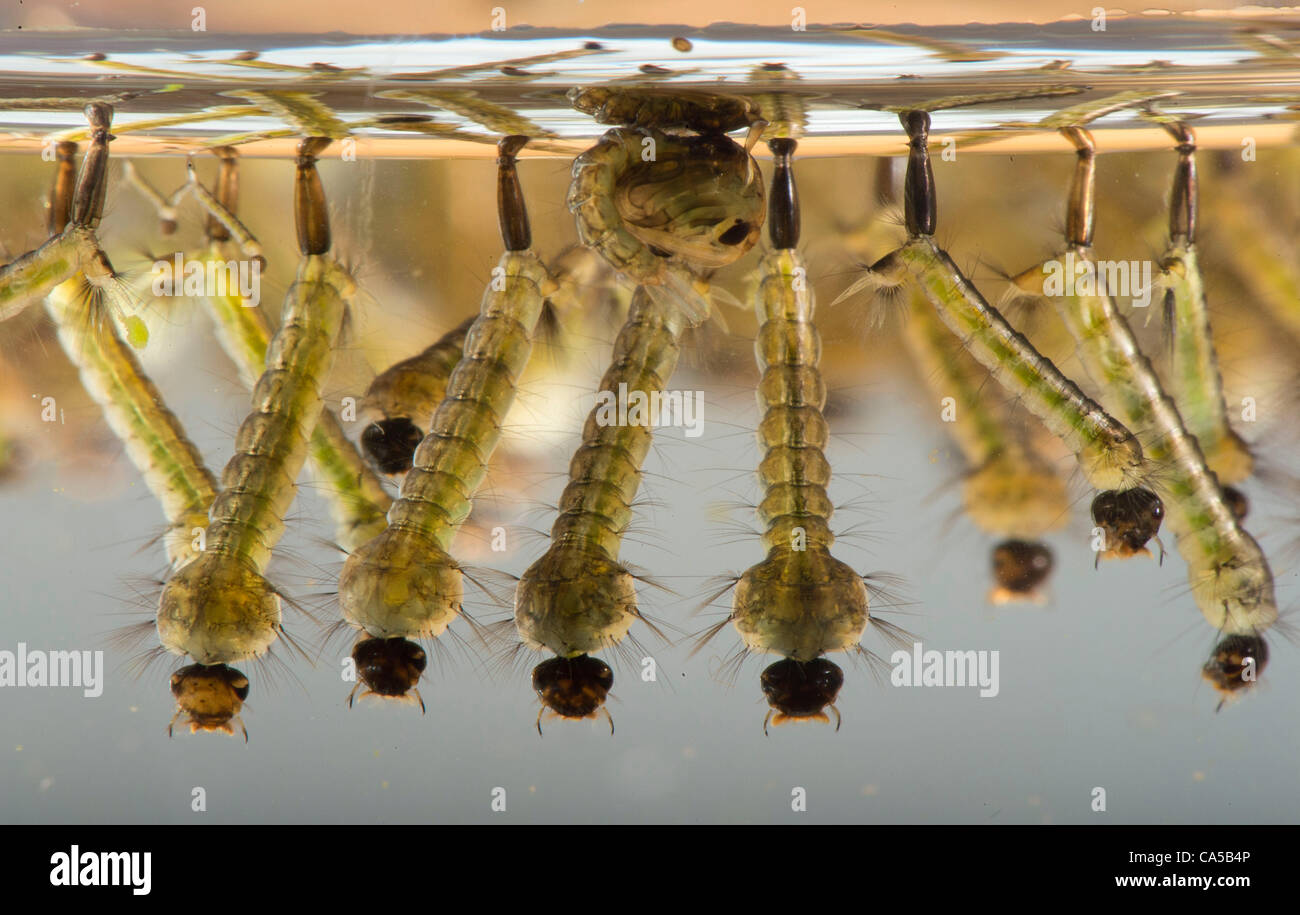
pixel 1236 664
pixel 216 610
pixel 390 443
pixel 573 687
pixel 699 198
pixel 209 698
pixel 1018 495
pixel 801 690
pixel 800 604
pixel 573 602
pixel 390 668
pixel 1129 519
pixel 665 109
pixel 400 584
pixel 1020 569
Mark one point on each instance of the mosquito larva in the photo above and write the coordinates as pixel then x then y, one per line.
pixel 578 598
pixel 403 397
pixel 1010 490
pixel 75 248
pixel 1109 456
pixel 1230 578
pixel 220 608
pixel 1197 385
pixel 132 405
pixel 404 583
pixel 358 501
pixel 659 206
pixel 800 602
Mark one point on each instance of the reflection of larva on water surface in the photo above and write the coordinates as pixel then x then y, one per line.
pixel 219 608
pixel 404 584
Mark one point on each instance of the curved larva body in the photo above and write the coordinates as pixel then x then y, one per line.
pixel 1010 490
pixel 1109 456
pixel 357 498
pixel 1230 577
pixel 1196 385
pixel 800 602
pixel 578 598
pixel 414 387
pixel 154 440
pixel 404 582
pixel 219 608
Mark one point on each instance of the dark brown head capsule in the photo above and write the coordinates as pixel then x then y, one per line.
pixel 573 687
pixel 1129 519
pixel 390 443
pixel 389 667
pixel 209 697
pixel 1020 568
pixel 1236 663
pixel 801 691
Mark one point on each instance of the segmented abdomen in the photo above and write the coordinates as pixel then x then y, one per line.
pixel 449 465
pixel 793 432
pixel 1209 537
pixel 1109 455
pixel 605 471
pixel 154 440
pixel 247 518
pixel 1198 386
pixel 358 500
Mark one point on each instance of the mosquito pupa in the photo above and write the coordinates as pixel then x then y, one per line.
pixel 660 206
